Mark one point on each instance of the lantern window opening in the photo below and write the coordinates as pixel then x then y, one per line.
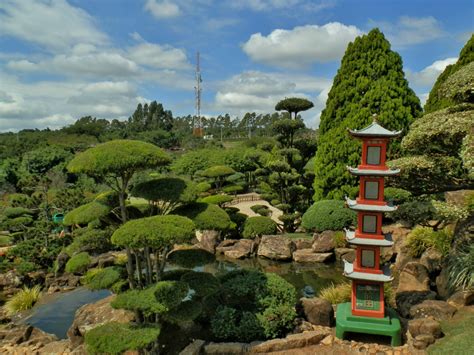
pixel 374 155
pixel 371 190
pixel 369 223
pixel 367 258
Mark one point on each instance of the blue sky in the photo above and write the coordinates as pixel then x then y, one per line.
pixel 60 60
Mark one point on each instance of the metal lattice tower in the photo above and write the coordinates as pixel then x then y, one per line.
pixel 198 130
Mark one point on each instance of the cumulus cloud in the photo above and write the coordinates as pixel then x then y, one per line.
pixel 428 75
pixel 159 56
pixel 408 30
pixel 302 45
pixel 162 9
pixel 259 91
pixel 54 25
pixel 268 5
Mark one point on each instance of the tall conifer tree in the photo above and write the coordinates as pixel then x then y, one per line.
pixel 370 81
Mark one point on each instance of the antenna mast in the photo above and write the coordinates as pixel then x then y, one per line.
pixel 198 130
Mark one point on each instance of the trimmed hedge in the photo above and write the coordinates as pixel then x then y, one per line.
pixel 99 279
pixel 205 216
pixel 78 263
pixel 258 226
pixel 116 338
pixel 328 215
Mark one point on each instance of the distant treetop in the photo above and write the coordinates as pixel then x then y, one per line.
pixel 294 105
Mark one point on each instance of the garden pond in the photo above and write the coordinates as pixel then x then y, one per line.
pixel 55 314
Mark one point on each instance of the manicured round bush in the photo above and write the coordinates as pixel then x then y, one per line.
pixel 261 210
pixel 154 232
pixel 156 299
pixel 13 212
pixel 258 226
pixel 216 199
pixel 191 258
pixel 328 215
pixel 116 338
pixel 217 171
pixel 251 306
pixel 203 283
pixel 78 263
pixel 187 311
pixel 205 216
pixel 86 213
pixel 397 196
pixel 98 279
pixel 233 189
pixel 203 187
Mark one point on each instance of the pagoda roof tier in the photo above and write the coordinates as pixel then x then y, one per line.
pixel 373 172
pixel 351 238
pixel 374 130
pixel 354 205
pixel 366 276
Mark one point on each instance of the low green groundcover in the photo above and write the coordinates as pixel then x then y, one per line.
pixel 116 338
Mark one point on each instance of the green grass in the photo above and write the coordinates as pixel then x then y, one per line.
pixel 297 235
pixel 23 300
pixel 458 337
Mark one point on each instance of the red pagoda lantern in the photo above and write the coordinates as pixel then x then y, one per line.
pixel 366 313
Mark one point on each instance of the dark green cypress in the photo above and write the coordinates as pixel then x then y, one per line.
pixel 370 81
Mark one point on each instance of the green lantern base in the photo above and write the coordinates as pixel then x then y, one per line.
pixel 387 326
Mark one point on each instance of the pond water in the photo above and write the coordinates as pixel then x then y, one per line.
pixel 55 314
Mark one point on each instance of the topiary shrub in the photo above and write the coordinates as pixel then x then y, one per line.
pixel 203 283
pixel 258 226
pixel 233 189
pixel 86 213
pixel 98 279
pixel 186 312
pixel 91 240
pixel 78 263
pixel 422 238
pixel 216 199
pixel 203 187
pixel 5 240
pixel 117 338
pixel 262 210
pixel 205 216
pixel 396 196
pixel 328 215
pixel 158 299
pixel 13 212
pixel 191 258
pixel 251 305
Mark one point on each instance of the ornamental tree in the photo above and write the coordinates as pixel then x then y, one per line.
pixel 294 105
pixel 152 235
pixel 114 163
pixel 370 81
pixel 167 193
pixel 218 173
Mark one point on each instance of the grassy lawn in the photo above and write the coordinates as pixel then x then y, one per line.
pixel 458 335
pixel 298 235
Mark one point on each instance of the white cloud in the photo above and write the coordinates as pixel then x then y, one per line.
pixel 54 25
pixel 159 56
pixel 264 5
pixel 302 45
pixel 408 30
pixel 428 75
pixel 162 9
pixel 258 91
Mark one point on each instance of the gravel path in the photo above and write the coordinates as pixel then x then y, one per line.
pixel 244 208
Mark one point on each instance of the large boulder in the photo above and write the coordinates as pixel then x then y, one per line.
pixel 442 284
pixel 64 282
pixel 347 254
pixel 92 315
pixel 462 298
pixel 226 348
pixel 439 310
pixel 236 248
pixel 292 341
pixel 414 277
pixel 432 260
pixel 425 326
pixel 208 240
pixel 309 256
pixel 275 247
pixel 23 339
pixel 194 348
pixel 303 243
pixel 317 311
pixel 10 279
pixel 324 242
pixel 406 300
